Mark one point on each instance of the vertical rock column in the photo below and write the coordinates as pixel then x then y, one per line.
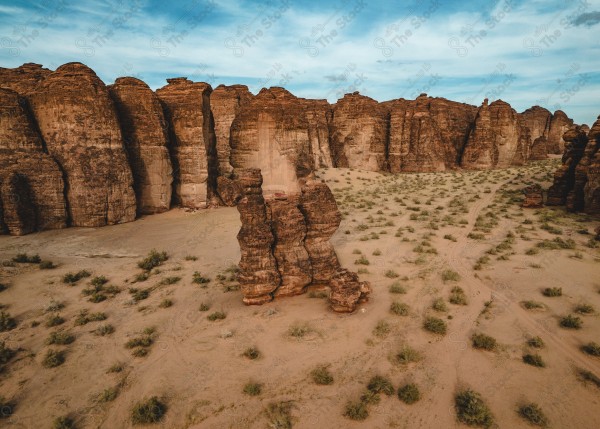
pixel 193 151
pixel 78 122
pixel 145 135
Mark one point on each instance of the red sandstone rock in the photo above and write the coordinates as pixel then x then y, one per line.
pixel 559 124
pixel 193 150
pixel 539 149
pixel 146 141
pixel 347 291
pixel 79 125
pixel 564 178
pixel 534 197
pixel 23 79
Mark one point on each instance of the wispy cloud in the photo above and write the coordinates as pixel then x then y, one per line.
pixel 588 19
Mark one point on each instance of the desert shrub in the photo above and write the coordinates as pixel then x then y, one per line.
pixel 217 315
pixel 409 393
pixel 587 376
pixel 321 375
pixel 3 287
pixel 165 303
pixel 377 252
pixel 53 359
pixel 535 342
pixel 458 296
pixel 399 308
pixel 60 338
pixel 362 261
pixel 148 411
pixel 472 410
pixel 534 360
pixel 482 341
pixel 592 349
pixel 116 368
pixel 143 341
pixel 169 280
pixel 54 320
pixel 380 384
pixel 552 291
pixel 369 397
pixel 407 355
pixel 47 265
pixel 153 260
pixel 450 275
pixel 71 278
pixel 6 354
pixel 533 414
pixel 84 317
pixel 397 288
pixel 141 277
pixel 104 330
pixel 139 294
pixel 356 411
pixel 584 309
pixel 251 353
pixel 7 322
pixel 299 330
pixel 381 329
pixel 204 307
pixel 199 279
pixel 449 237
pixel 439 305
pixel 571 322
pixel 107 395
pixel 24 258
pixel 98 281
pixel 63 422
pixel 530 305
pixel 532 251
pixel 435 325
pixel 279 415
pixel 252 389
pixel 191 258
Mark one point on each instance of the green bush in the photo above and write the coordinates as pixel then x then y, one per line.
pixel 381 329
pixel 53 359
pixel 217 315
pixel 54 320
pixel 299 330
pixel 397 288
pixel 24 258
pixel 321 375
pixel 450 276
pixel 552 291
pixel 472 410
pixel 530 305
pixel 439 305
pixel 362 261
pixel 251 353
pixel 356 411
pixel 380 384
pixel 104 330
pixel 409 393
pixel 148 411
pixel 482 341
pixel 435 325
pixel 60 338
pixel 571 322
pixel 407 355
pixel 71 278
pixel 279 415
pixel 584 309
pixel 252 389
pixel 199 279
pixel 592 349
pixel 204 307
pixel 153 260
pixel 535 342
pixel 63 422
pixel 47 265
pixel 534 360
pixel 399 308
pixel 458 296
pixel 533 414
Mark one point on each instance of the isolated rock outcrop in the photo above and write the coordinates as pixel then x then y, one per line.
pixel 33 184
pixel 146 140
pixel 225 103
pixel 534 197
pixel 498 139
pixel 193 148
pixel 285 246
pixel 576 140
pixel 78 123
pixel 427 134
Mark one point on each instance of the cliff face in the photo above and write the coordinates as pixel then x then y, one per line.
pixel 146 141
pixel 358 132
pixel 591 161
pixel 559 125
pixel 23 79
pixel 32 184
pixel 193 148
pixel 285 246
pixel 77 121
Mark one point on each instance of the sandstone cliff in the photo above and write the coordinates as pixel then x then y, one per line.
pixel 146 141
pixel 193 148
pixel 78 123
pixel 559 125
pixel 23 79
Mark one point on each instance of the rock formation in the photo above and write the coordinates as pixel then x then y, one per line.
pixel 358 133
pixel 559 125
pixel 146 140
pixel 32 183
pixel 591 161
pixel 496 140
pixel 427 134
pixel 193 150
pixel 539 149
pixel 23 79
pixel 225 104
pixel 285 246
pixel 78 123
pixel 534 197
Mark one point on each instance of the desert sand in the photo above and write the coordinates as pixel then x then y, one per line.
pixel 420 235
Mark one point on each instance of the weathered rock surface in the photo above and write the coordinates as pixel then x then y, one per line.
pixel 23 79
pixel 591 161
pixel 229 190
pixel 24 166
pixel 225 104
pixel 78 123
pixel 539 149
pixel 358 132
pixel 564 177
pixel 258 274
pixel 347 291
pixel 559 125
pixel 285 245
pixel 537 120
pixel 497 139
pixel 427 134
pixel 146 140
pixel 534 197
pixel 193 148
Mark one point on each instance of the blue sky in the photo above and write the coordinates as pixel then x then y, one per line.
pixel 524 52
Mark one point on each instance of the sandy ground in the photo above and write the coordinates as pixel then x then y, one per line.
pixel 196 366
